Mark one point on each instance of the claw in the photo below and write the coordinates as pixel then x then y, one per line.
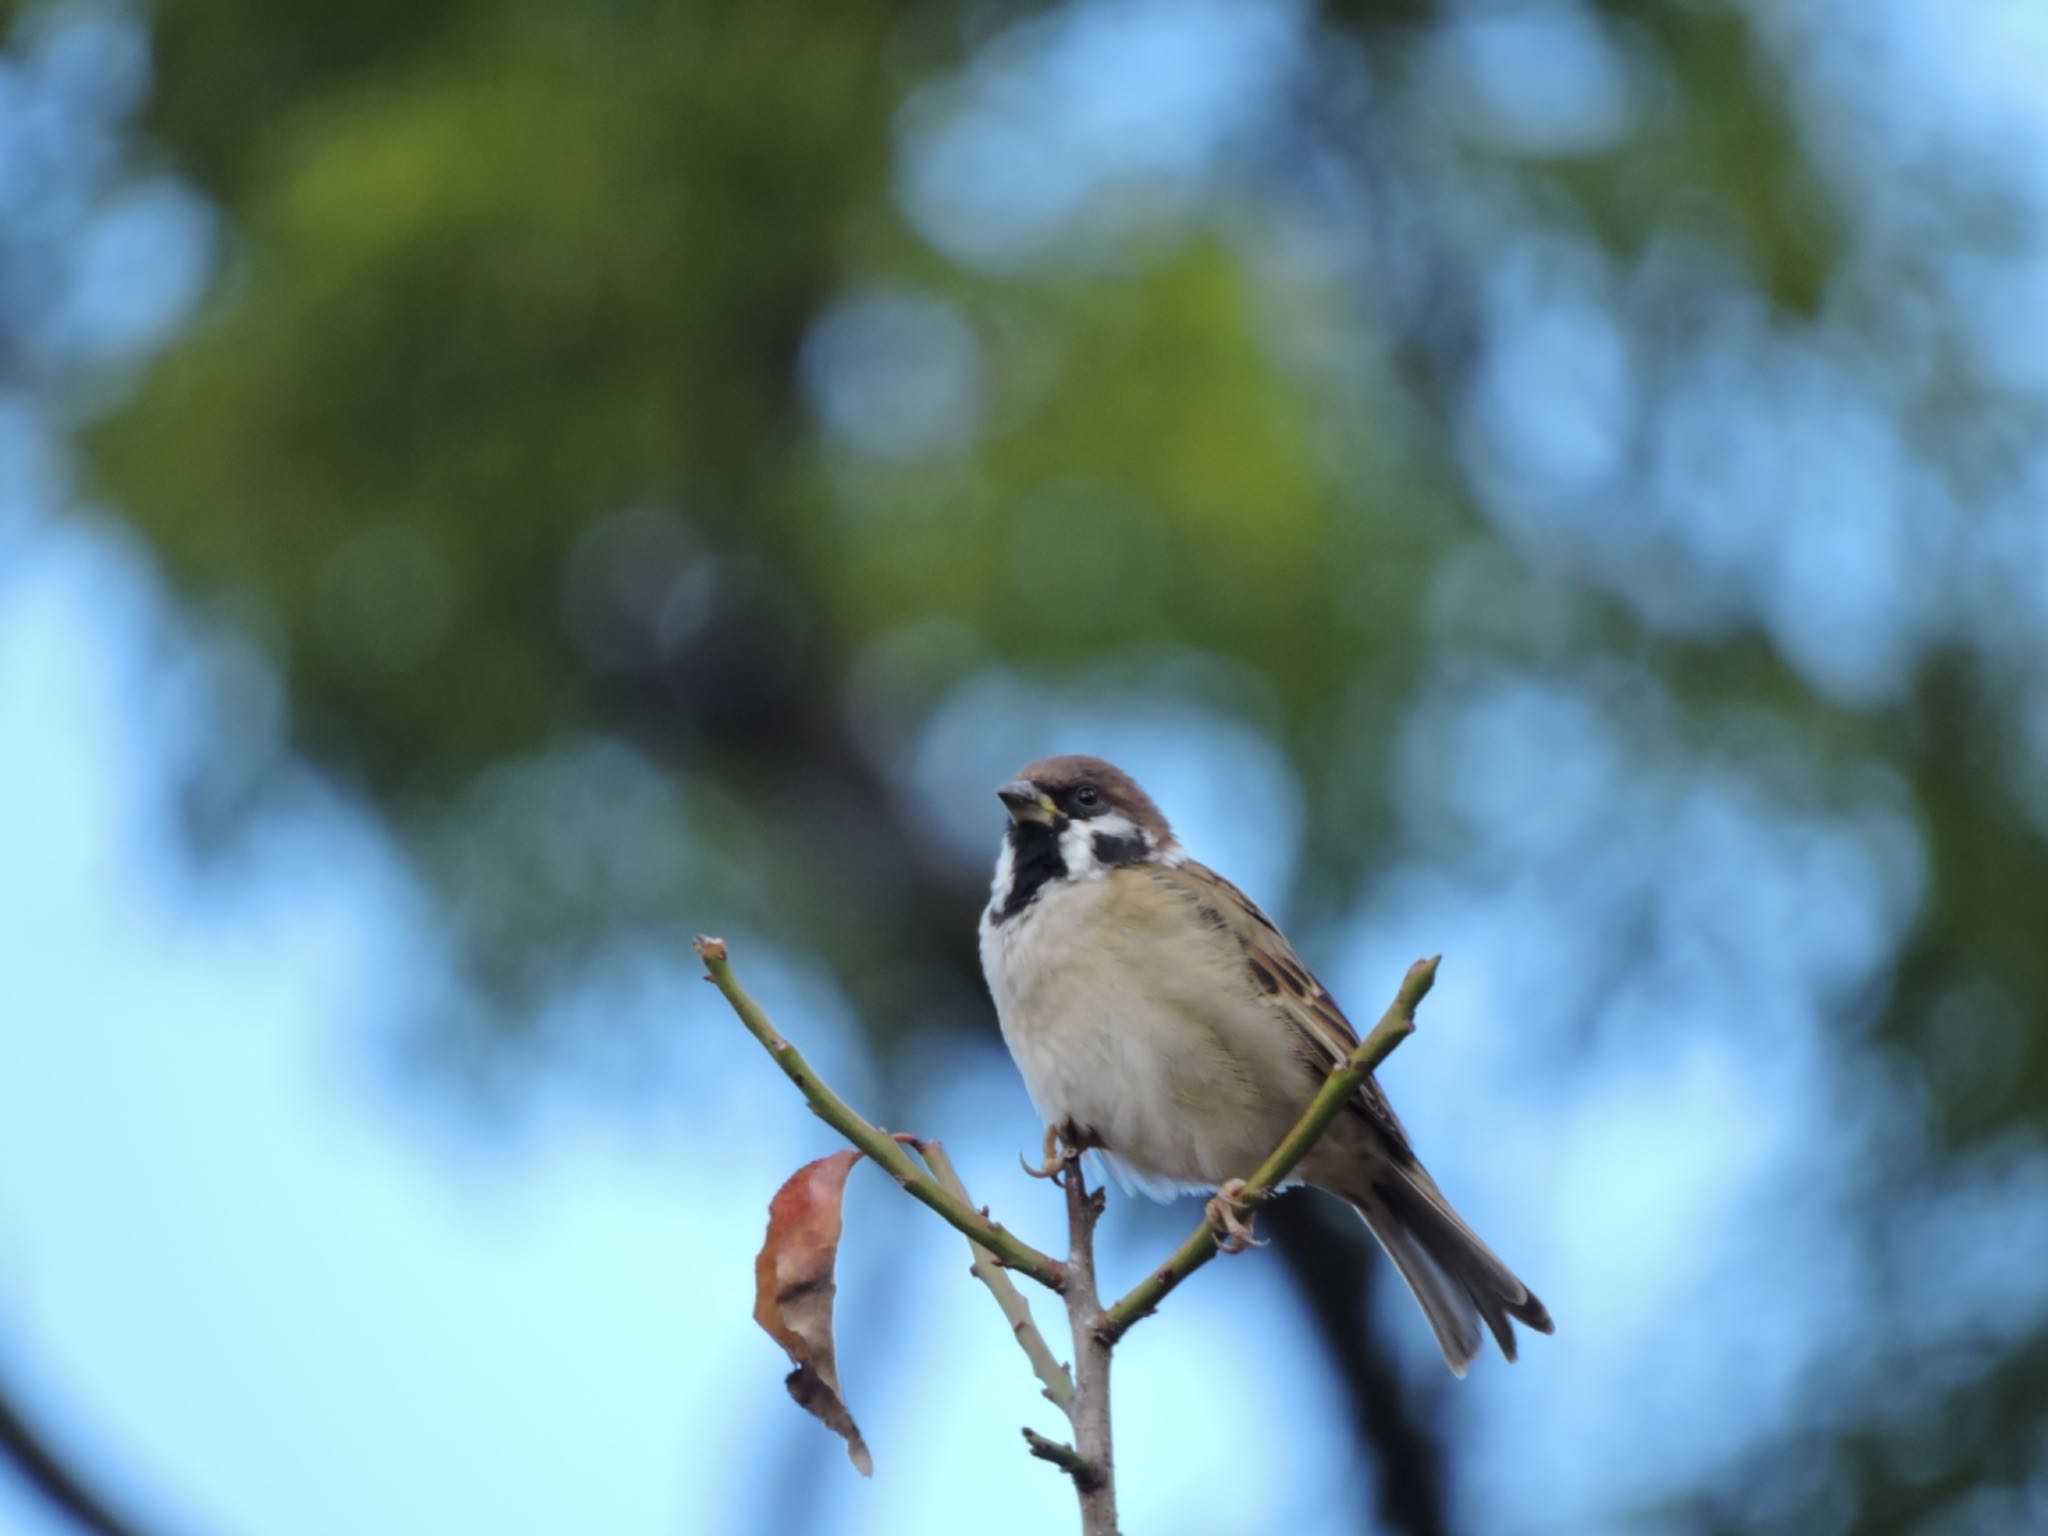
pixel 1233 1231
pixel 1054 1161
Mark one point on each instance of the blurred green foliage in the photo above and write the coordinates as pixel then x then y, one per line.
pixel 478 298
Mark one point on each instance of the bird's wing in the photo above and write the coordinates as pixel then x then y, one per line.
pixel 1323 1036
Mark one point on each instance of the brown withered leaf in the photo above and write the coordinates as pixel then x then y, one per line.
pixel 793 1291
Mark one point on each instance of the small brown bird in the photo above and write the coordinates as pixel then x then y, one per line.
pixel 1163 1017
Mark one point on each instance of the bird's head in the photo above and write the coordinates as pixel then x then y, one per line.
pixel 1093 811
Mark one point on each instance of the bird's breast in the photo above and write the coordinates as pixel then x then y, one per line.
pixel 1134 1024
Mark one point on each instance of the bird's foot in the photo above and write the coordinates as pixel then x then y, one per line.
pixel 1055 1159
pixel 1229 1220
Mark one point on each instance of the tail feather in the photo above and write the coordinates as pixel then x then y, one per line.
pixel 1458 1280
pixel 1447 1305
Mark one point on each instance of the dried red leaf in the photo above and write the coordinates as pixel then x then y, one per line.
pixel 794 1287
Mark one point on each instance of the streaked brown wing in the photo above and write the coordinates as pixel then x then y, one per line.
pixel 1322 1033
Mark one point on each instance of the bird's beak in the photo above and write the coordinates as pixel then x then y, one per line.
pixel 1027 802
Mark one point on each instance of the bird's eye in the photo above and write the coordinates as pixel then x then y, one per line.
pixel 1087 797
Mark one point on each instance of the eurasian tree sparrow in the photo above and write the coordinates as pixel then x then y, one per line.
pixel 1160 1016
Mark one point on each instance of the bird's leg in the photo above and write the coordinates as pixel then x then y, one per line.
pixel 1064 1144
pixel 1233 1231
pixel 1054 1159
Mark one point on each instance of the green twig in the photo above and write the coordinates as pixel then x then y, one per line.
pixel 1395 1025
pixel 1066 1458
pixel 877 1143
pixel 1059 1383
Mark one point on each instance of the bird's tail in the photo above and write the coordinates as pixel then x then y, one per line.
pixel 1458 1281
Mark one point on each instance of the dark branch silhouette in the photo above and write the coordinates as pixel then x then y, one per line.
pixel 58 1481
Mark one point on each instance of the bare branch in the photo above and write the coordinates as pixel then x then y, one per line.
pixel 877 1143
pixel 1083 1394
pixel 1059 1383
pixel 1093 1445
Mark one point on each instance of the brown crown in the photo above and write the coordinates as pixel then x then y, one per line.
pixel 1056 774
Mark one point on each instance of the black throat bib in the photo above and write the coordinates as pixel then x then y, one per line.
pixel 1035 860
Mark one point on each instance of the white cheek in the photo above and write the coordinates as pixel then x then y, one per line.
pixel 1077 850
pixel 1077 843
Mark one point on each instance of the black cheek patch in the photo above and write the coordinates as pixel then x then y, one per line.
pixel 1113 849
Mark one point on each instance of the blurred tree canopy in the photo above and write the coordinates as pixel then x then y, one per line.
pixel 628 426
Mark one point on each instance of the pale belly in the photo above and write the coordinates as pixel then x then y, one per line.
pixel 1158 1048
